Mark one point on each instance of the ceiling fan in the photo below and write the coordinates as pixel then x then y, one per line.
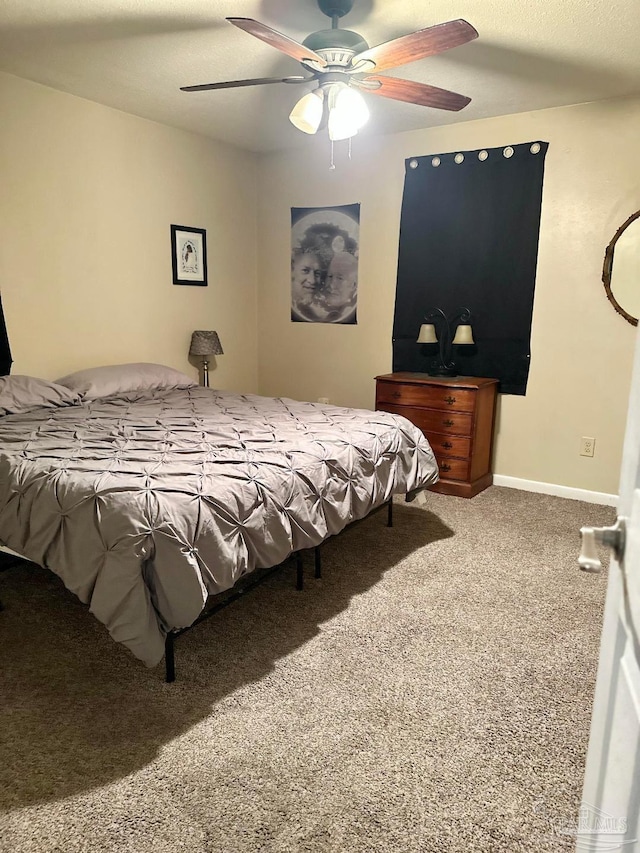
pixel 343 65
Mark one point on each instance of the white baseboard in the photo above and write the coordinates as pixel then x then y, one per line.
pixel 553 489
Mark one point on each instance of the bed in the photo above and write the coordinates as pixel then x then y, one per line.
pixel 148 494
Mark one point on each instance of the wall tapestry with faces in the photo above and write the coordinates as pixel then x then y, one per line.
pixel 324 264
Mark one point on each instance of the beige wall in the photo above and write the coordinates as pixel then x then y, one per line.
pixel 87 195
pixel 581 349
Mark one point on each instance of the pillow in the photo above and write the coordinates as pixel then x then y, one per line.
pixel 122 378
pixel 26 393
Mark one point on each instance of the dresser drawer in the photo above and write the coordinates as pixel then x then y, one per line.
pixel 432 396
pixel 452 469
pixel 450 445
pixel 433 420
pixel 456 416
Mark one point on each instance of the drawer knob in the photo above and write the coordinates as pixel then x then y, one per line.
pixel 396 395
pixel 447 445
pixel 448 422
pixel 450 400
pixel 445 467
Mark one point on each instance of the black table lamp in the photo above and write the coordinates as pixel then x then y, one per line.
pixel 205 344
pixel 439 331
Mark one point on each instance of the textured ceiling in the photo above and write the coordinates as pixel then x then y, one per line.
pixel 135 54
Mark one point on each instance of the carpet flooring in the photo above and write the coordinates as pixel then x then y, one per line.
pixel 432 692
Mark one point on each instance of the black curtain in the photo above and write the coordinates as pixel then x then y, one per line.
pixel 469 238
pixel 5 350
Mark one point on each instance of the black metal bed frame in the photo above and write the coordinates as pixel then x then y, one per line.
pixel 255 579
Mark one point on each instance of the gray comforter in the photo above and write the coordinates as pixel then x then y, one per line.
pixel 146 505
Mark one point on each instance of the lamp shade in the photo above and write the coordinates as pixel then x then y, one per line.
pixel 427 334
pixel 348 111
pixel 464 335
pixel 205 343
pixel 307 113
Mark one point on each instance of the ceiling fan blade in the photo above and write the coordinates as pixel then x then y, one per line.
pixel 413 93
pixel 418 45
pixel 234 84
pixel 278 40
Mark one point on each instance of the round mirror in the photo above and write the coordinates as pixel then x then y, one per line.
pixel 621 271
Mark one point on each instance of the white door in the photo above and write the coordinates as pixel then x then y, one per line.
pixel 610 810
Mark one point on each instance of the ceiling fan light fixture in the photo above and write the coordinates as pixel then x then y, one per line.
pixel 341 63
pixel 348 112
pixel 307 113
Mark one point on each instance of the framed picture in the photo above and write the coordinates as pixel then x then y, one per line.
pixel 189 255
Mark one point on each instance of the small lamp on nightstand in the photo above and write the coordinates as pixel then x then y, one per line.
pixel 444 364
pixel 205 344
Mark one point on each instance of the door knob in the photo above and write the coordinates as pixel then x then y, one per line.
pixel 613 537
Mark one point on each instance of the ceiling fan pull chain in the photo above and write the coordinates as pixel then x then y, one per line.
pixel 332 165
pixel 350 140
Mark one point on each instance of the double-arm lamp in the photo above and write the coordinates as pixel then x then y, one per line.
pixel 437 329
pixel 205 344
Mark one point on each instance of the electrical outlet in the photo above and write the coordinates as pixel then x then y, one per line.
pixel 587 446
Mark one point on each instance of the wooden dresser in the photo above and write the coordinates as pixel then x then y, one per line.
pixel 456 415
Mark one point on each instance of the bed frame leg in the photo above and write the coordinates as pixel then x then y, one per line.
pixel 318 561
pixel 299 572
pixel 390 513
pixel 169 659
